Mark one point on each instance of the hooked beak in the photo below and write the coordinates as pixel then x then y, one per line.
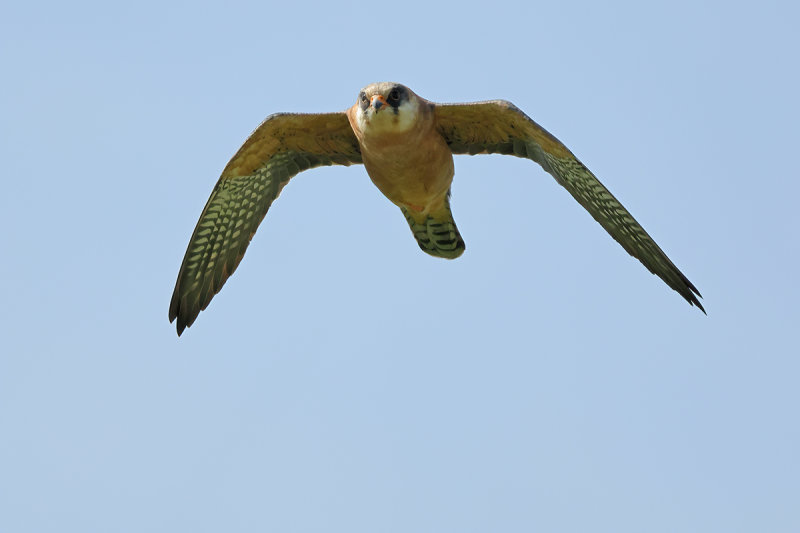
pixel 377 102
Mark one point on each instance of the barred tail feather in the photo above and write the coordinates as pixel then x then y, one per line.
pixel 436 233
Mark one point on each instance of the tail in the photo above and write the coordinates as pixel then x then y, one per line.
pixel 436 232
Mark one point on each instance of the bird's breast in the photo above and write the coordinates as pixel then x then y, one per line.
pixel 411 171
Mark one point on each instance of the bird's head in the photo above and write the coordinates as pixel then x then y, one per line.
pixel 386 107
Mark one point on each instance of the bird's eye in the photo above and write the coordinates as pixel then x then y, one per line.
pixel 394 95
pixel 363 97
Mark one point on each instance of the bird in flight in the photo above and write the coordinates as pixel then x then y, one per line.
pixel 406 144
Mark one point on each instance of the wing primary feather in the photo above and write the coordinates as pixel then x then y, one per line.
pixel 283 146
pixel 500 127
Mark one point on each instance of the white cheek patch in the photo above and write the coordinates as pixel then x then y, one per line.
pixel 406 115
pixel 361 120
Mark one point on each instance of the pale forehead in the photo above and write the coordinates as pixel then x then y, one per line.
pixel 381 87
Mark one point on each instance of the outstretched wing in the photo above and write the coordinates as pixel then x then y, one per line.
pixel 282 146
pixel 500 127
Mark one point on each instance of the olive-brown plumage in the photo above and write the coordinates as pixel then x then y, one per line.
pixel 406 144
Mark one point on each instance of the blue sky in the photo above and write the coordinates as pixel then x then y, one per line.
pixel 345 381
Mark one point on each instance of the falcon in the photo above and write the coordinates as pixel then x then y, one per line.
pixel 406 144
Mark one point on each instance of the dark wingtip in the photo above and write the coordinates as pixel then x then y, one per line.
pixel 692 296
pixel 180 325
pixel 699 306
pixel 175 313
pixel 690 293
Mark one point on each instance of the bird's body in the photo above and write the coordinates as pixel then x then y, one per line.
pixel 412 165
pixel 406 144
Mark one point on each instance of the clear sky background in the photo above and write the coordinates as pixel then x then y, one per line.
pixel 344 381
